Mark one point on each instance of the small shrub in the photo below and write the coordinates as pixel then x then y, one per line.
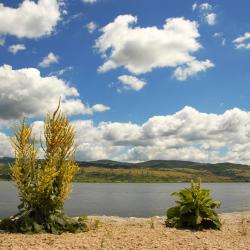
pixel 195 209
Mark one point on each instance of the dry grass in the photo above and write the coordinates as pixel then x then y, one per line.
pixel 173 174
pixel 245 226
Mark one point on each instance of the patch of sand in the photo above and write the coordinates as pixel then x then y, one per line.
pixel 139 233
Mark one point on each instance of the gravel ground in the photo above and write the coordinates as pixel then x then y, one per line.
pixel 139 233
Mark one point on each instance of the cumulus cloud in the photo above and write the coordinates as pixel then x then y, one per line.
pixel 103 140
pixel 31 19
pixel 51 58
pixel 26 91
pixel 5 146
pixel 187 135
pixel 91 27
pixel 140 50
pixel 184 135
pixel 190 134
pixel 242 42
pixel 131 82
pixel 16 48
pixel 159 152
pixel 192 68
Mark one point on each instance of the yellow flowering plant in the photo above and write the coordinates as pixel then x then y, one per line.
pixel 44 185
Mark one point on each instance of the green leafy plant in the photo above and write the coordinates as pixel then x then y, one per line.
pixel 44 185
pixel 195 209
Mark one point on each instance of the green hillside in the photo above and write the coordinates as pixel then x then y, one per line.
pixel 151 171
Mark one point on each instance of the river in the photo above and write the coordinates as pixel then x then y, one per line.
pixel 129 199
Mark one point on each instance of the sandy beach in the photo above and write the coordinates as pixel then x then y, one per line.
pixel 109 232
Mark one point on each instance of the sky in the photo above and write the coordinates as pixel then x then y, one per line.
pixel 140 80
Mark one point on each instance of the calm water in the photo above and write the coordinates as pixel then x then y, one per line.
pixel 138 200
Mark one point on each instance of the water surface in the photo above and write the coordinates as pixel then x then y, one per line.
pixel 127 199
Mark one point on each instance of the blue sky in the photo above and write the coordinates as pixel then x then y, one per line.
pixel 198 60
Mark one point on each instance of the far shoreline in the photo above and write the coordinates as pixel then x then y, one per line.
pixel 124 182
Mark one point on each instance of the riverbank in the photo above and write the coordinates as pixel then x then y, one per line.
pixel 153 172
pixel 109 232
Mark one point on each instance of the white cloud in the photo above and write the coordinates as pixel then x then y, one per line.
pixel 159 152
pixel 61 71
pixel 140 50
pixel 31 19
pixel 91 27
pixel 185 135
pixel 72 18
pixel 16 48
pixel 2 41
pixel 206 14
pixel 99 108
pixel 205 6
pixel 26 91
pixel 217 34
pixel 104 140
pixel 223 42
pixel 192 68
pixel 131 82
pixel 51 58
pixel 191 135
pixel 243 42
pixel 221 37
pixel 194 6
pixel 89 1
pixel 211 18
pixel 5 146
pixel 92 146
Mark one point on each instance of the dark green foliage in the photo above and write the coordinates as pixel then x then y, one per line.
pixel 55 222
pixel 195 209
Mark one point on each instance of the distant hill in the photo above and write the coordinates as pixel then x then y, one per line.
pixel 6 160
pixel 149 164
pixel 159 164
pixel 151 171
